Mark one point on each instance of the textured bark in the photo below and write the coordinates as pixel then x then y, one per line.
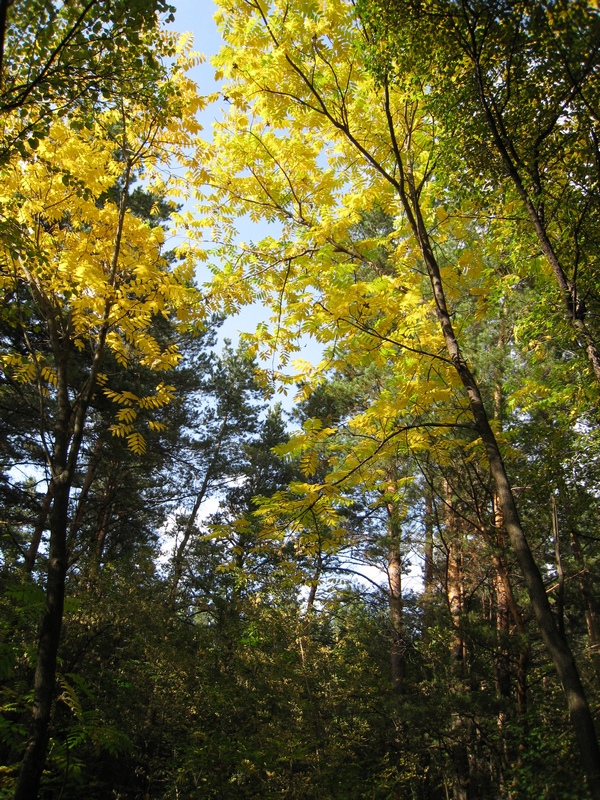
pixel 45 673
pixel 502 660
pixel 395 595
pixel 49 638
pixel 396 618
pixel 454 577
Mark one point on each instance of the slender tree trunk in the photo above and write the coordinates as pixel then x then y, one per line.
pixel 524 658
pixel 88 480
pixel 45 673
pixel 182 546
pixel 560 574
pixel 428 524
pixel 502 676
pixel 189 528
pixel 102 532
pixel 396 616
pixel 455 596
pixel 49 639
pixel 454 579
pixel 428 569
pixel 42 519
pixel 502 662
pixel 524 654
pixel 396 610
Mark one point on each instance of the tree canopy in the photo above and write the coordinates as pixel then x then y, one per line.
pixel 390 590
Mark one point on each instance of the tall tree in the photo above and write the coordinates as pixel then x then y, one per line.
pixel 224 417
pixel 92 276
pixel 371 142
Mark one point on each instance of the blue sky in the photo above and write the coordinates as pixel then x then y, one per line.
pixel 196 16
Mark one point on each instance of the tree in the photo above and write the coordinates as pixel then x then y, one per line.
pixel 371 142
pixel 91 276
pixel 225 415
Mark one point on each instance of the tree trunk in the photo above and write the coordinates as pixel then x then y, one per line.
pixel 88 481
pixel 396 618
pixel 178 561
pixel 524 658
pixel 102 532
pixel 560 574
pixel 395 593
pixel 428 524
pixel 400 177
pixel 502 660
pixel 45 671
pixel 454 579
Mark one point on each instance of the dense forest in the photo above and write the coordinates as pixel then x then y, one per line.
pixel 390 591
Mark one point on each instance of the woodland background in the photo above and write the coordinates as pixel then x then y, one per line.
pixel 390 590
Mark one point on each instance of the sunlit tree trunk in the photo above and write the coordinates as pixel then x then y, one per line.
pixel 454 579
pixel 428 524
pixel 396 621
